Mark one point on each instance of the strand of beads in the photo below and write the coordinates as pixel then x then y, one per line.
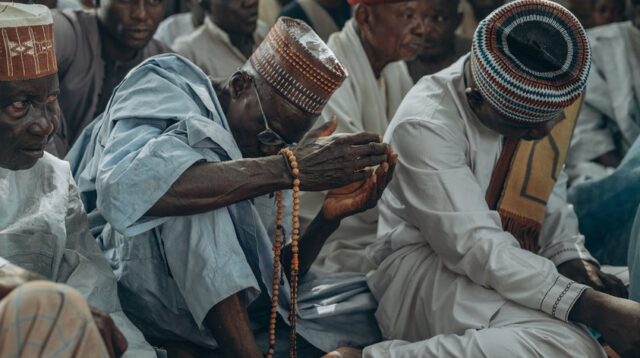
pixel 295 263
pixel 277 250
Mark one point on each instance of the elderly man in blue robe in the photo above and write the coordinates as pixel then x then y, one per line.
pixel 178 176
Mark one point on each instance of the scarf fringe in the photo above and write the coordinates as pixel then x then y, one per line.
pixel 525 230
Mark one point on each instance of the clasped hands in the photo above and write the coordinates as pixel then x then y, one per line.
pixel 588 273
pixel 354 168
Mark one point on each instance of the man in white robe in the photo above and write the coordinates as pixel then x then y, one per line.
pixel 451 281
pixel 43 225
pixel 182 24
pixel 373 46
pixel 229 35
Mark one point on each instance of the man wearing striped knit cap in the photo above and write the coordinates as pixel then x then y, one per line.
pixel 478 252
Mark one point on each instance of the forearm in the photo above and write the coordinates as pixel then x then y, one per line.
pixel 209 186
pixel 311 243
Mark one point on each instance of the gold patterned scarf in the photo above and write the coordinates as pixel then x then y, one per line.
pixel 525 176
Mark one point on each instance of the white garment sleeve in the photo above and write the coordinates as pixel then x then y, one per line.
pixel 560 239
pixel 3 262
pixel 444 200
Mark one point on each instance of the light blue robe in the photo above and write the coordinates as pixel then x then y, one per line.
pixel 161 120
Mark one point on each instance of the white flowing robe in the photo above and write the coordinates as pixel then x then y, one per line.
pixel 610 117
pixel 362 103
pixel 43 228
pixel 446 266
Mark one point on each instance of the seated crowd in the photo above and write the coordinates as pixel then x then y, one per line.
pixel 320 178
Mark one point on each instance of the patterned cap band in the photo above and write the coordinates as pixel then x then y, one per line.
pixel 26 42
pixel 298 65
pixel 530 59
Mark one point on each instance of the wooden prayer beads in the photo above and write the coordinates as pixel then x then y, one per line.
pixel 295 263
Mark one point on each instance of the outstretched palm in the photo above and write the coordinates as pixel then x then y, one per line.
pixel 359 196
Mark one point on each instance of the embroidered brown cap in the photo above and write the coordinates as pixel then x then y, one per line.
pixel 298 65
pixel 26 42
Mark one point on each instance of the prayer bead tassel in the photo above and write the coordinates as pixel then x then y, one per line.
pixel 295 262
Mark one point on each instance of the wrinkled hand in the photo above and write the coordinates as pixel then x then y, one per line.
pixel 359 196
pixel 618 320
pixel 587 273
pixel 12 276
pixel 329 161
pixel 113 339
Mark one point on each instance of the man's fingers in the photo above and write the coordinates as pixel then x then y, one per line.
pixel 373 161
pixel 383 180
pixel 371 148
pixel 359 138
pixel 614 285
pixel 361 175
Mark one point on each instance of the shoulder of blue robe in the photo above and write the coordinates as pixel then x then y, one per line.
pixel 161 119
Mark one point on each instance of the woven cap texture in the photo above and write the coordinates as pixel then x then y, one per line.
pixel 26 42
pixel 530 59
pixel 298 65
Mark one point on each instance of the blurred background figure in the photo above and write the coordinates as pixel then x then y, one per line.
pixel 593 13
pixel 604 12
pixel 270 10
pixel 324 16
pixel 180 24
pixel 473 12
pixel 95 50
pixel 230 34
pixel 442 46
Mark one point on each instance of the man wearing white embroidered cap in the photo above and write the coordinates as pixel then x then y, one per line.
pixel 43 226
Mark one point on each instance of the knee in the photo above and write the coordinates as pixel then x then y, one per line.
pixel 48 298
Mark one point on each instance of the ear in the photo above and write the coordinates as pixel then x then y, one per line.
pixel 239 85
pixel 362 15
pixel 474 97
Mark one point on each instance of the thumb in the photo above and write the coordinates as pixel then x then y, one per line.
pixel 325 130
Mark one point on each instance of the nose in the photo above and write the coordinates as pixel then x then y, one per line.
pixel 139 11
pixel 44 123
pixel 420 27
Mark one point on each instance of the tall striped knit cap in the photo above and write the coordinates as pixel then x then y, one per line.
pixel 530 59
pixel 26 42
pixel 298 65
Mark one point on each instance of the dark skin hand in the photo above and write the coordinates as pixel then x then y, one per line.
pixel 325 163
pixel 12 276
pixel 617 319
pixel 339 204
pixel 587 273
